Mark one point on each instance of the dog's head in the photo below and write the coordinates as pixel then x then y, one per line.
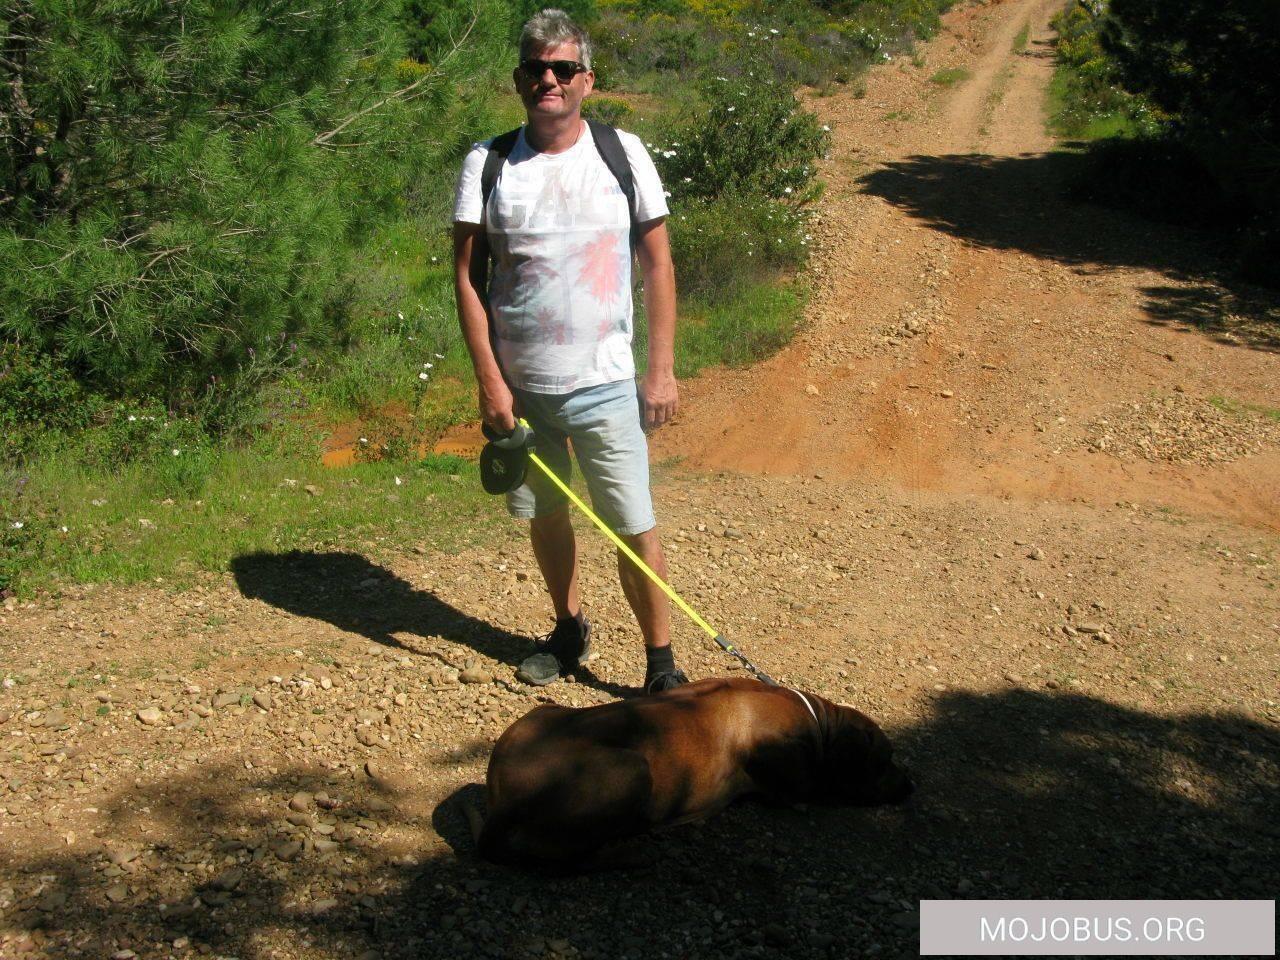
pixel 859 762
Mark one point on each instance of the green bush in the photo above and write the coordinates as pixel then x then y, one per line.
pixel 608 110
pixel 39 399
pixel 1086 85
pixel 1211 67
pixel 749 137
pixel 722 246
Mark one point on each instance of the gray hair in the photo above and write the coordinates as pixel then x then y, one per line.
pixel 550 28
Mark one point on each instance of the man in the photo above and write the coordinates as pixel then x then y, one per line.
pixel 550 333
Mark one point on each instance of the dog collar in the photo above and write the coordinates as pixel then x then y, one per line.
pixel 813 713
pixel 817 724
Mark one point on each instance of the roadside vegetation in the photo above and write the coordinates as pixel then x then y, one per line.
pixel 1180 105
pixel 217 248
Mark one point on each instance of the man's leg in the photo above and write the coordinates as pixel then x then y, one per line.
pixel 568 645
pixel 613 453
pixel 556 550
pixel 647 599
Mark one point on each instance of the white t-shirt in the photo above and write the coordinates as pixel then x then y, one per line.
pixel 560 290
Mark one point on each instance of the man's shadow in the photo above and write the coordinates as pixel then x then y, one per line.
pixel 355 595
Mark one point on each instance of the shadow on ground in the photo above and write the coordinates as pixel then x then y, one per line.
pixel 1025 203
pixel 1023 794
pixel 359 596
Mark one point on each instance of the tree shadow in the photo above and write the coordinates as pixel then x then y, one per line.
pixel 356 595
pixel 1021 794
pixel 1034 203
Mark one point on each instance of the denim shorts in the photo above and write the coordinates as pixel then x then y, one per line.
pixel 603 423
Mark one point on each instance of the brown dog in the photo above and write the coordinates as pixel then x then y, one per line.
pixel 563 782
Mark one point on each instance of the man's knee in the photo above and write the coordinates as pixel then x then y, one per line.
pixel 647 546
pixel 644 538
pixel 556 519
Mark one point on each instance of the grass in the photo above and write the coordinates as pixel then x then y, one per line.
pixel 1239 408
pixel 81 526
pixel 751 326
pixel 1020 41
pixel 1065 119
pixel 950 76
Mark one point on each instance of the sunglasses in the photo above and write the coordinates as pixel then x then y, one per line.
pixel 564 70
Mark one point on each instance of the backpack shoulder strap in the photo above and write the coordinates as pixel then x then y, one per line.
pixel 614 155
pixel 499 149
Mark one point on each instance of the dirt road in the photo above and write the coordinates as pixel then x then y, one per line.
pixel 974 331
pixel 985 497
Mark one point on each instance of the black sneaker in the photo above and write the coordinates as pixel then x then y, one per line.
pixel 565 647
pixel 666 680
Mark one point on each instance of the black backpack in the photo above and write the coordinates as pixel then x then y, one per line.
pixel 608 145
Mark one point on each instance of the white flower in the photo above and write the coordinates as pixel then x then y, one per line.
pixel 688 179
pixel 424 376
pixel 175 451
pixel 786 189
pixel 398 481
pixel 773 31
pixel 64 529
pixel 666 193
pixel 132 418
pixel 364 439
pixel 428 366
pixel 435 259
pixel 399 314
pixel 439 356
pixel 731 109
pixel 826 128
pixel 18 524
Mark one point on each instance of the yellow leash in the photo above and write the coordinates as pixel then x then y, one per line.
pixel 647 570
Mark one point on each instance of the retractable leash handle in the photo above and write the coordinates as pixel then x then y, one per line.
pixel 514 440
pixel 526 432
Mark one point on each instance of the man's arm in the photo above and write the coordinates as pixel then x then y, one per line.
pixel 470 270
pixel 658 387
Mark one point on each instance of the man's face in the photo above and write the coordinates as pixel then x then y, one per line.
pixel 548 97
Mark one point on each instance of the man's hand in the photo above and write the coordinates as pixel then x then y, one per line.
pixel 658 399
pixel 497 407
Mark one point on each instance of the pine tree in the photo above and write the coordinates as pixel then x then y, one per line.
pixel 181 180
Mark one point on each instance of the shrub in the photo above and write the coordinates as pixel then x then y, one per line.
pixel 1211 67
pixel 608 110
pixel 722 246
pixel 749 137
pixel 1086 85
pixel 39 399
